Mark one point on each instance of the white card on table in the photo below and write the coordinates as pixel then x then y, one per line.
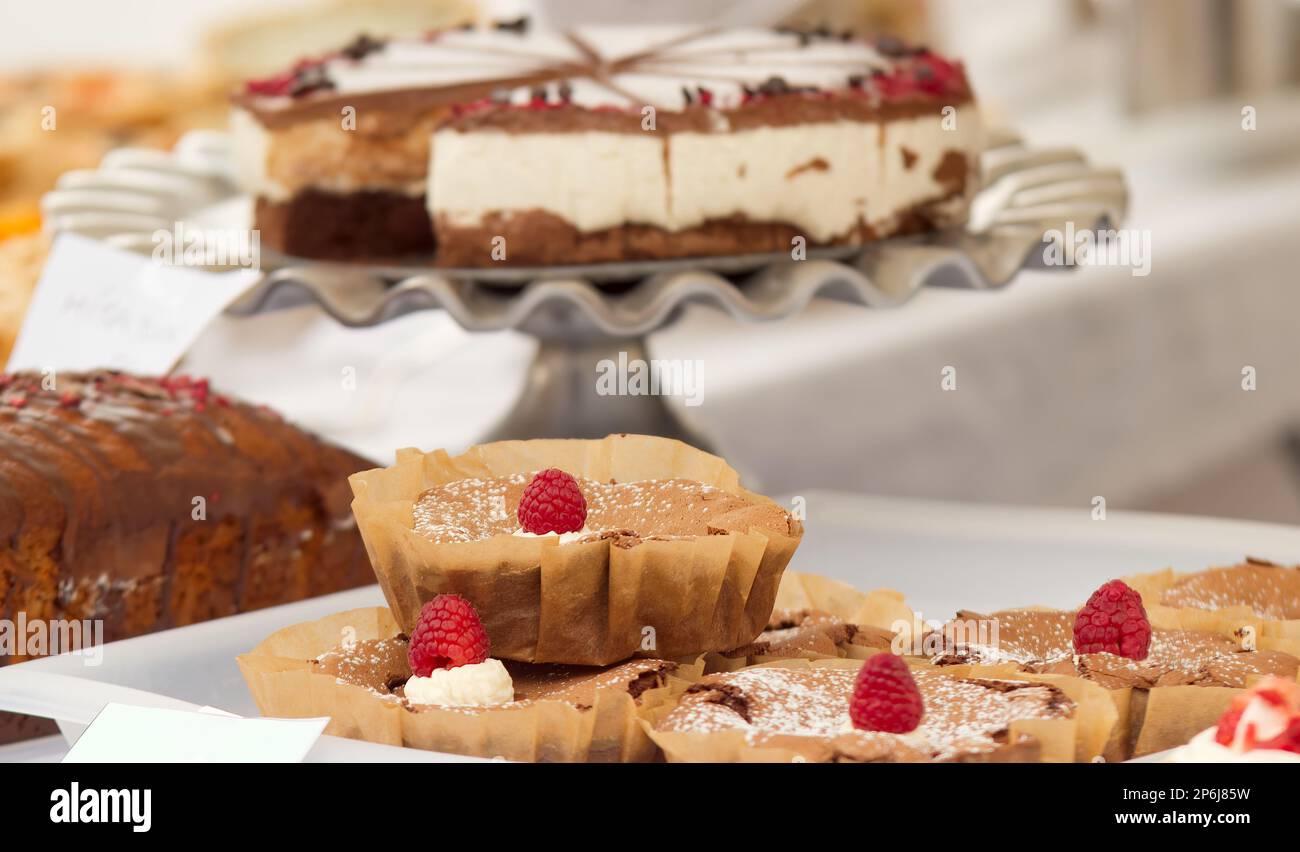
pixel 99 306
pixel 125 733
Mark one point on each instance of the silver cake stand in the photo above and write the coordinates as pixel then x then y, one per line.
pixel 583 314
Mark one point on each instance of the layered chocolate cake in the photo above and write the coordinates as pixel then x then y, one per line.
pixel 152 503
pixel 525 147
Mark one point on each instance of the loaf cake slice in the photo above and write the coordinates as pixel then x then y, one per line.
pixel 153 503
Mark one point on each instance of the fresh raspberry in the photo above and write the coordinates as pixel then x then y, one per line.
pixel 1228 722
pixel 1281 695
pixel 885 697
pixel 1288 740
pixel 1113 621
pixel 552 502
pixel 448 634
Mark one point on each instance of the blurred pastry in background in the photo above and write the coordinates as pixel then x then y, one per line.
pixel 906 19
pixel 55 121
pixel 258 45
pixel 21 260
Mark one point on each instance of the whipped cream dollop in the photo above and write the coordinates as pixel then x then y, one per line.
pixel 475 685
pixel 565 538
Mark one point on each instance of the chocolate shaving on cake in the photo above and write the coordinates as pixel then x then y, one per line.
pixel 362 46
pixel 313 78
pixel 518 26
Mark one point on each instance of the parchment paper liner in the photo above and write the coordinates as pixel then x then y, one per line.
pixel 581 603
pixel 1079 738
pixel 1268 634
pixel 284 684
pixel 1143 721
pixel 1151 719
pixel 883 609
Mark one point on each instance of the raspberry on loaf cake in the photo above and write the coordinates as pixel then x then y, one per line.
pixel 517 146
pixel 151 503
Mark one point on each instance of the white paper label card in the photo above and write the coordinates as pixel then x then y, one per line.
pixel 102 307
pixel 125 733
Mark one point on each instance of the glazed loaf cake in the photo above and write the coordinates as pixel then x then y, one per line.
pixel 154 503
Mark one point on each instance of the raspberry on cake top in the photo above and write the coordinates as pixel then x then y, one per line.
pixel 1043 641
pixel 480 508
pixel 580 551
pixel 440 689
pixel 806 711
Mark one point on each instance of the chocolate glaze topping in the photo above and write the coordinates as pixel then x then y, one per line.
pixel 92 465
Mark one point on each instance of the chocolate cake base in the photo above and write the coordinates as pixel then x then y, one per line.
pixel 540 238
pixel 369 225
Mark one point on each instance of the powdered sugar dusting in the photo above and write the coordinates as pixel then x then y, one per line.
pixel 1270 591
pixel 962 715
pixel 1043 640
pixel 473 509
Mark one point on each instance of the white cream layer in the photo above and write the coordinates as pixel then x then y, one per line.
pixel 823 179
pixel 251 145
pixel 475 685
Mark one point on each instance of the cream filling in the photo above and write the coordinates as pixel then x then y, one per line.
pixel 475 685
pixel 251 144
pixel 564 538
pixel 822 179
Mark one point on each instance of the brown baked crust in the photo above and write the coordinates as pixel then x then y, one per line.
pixel 541 238
pixel 803 632
pixel 1269 590
pixel 99 479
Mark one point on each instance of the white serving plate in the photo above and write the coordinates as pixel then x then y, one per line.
pixel 943 556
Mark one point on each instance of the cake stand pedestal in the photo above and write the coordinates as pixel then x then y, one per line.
pixel 581 315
